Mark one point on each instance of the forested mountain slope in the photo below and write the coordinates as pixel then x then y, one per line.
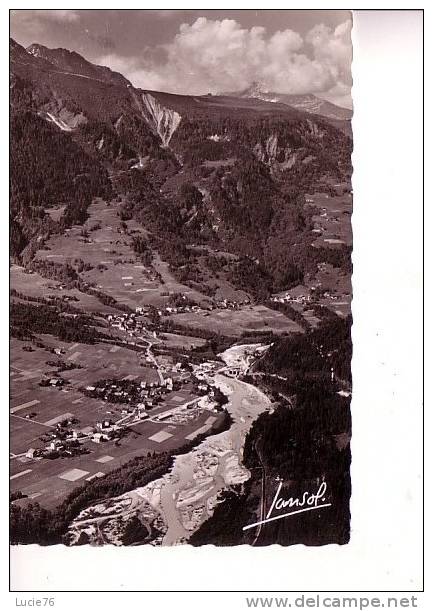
pixel 226 170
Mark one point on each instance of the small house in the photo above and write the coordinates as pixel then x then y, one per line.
pixel 56 444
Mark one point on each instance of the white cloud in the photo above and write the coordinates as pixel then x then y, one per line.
pixel 215 56
pixel 333 48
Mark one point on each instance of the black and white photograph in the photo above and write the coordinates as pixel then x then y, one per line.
pixel 181 278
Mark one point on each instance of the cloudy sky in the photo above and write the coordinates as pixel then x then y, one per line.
pixel 197 52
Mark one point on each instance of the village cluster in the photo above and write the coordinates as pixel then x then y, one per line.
pixel 137 398
pixel 129 322
pixel 144 395
pixel 66 439
pixel 297 295
pixel 187 307
pixel 224 304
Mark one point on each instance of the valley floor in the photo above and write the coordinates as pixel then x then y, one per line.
pixel 57 439
pixel 184 498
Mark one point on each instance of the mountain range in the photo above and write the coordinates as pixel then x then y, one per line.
pixel 196 237
pixel 305 102
pixel 229 169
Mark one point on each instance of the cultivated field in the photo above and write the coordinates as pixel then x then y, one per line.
pixel 34 285
pixel 235 322
pixel 106 247
pixel 339 288
pixel 35 412
pixel 171 285
pixel 174 340
pixel 102 253
pixel 49 481
pixel 332 224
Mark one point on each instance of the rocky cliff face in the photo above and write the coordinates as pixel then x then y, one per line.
pixel 268 152
pixel 64 119
pixel 163 121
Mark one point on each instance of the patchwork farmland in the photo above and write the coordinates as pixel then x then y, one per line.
pixel 134 380
pixel 331 219
pixel 37 411
pixel 235 322
pixel 49 376
pixel 179 308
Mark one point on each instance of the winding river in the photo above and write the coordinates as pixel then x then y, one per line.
pixel 186 496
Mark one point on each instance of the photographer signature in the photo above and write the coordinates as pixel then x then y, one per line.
pixel 307 502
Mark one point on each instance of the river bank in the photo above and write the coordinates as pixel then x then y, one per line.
pixel 180 501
